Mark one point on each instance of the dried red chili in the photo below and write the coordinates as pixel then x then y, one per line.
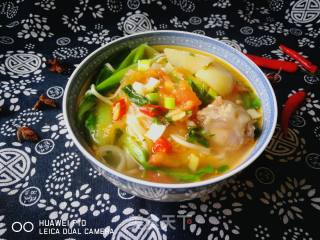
pixel 55 65
pixel 305 63
pixel 27 134
pixel 290 106
pixel 274 63
pixel 46 101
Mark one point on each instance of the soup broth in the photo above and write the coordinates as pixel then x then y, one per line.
pixel 170 114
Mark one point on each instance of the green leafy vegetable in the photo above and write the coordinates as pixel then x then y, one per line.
pixel 104 73
pixel 250 100
pixel 202 90
pixel 135 150
pixel 133 57
pixel 117 58
pixel 103 119
pixel 139 53
pixel 134 96
pixel 113 80
pixel 87 103
pixel 197 135
pixel 150 51
pixel 128 60
pixel 186 176
pixel 223 168
pixel 90 124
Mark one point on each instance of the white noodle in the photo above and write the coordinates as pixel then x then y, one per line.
pixel 99 96
pixel 121 155
pixel 181 141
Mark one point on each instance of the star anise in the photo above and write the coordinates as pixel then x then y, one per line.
pixel 43 100
pixel 26 134
pixel 55 65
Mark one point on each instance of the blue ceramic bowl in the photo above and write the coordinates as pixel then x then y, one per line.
pixel 159 191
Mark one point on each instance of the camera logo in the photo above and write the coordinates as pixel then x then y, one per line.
pixel 18 227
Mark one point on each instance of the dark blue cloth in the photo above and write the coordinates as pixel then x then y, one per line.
pixel 277 197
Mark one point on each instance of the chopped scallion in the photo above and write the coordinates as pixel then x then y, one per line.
pixel 169 102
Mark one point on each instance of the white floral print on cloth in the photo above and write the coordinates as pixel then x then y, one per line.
pixel 11 90
pixel 311 106
pixel 99 37
pixel 140 224
pixel 63 167
pixel 286 148
pixel 135 22
pixel 249 12
pixel 36 27
pixel 185 5
pixel 287 202
pixel 264 40
pixel 64 53
pixel 303 12
pixel 216 20
pixel 261 233
pixel 8 9
pixel 178 23
pixel 17 166
pixel 46 4
pixel 21 63
pixel 27 117
pixel 58 130
pixel 216 215
pixel 133 4
pixel 296 233
pixel 3 227
pixel 74 205
pixel 79 11
pixel 222 3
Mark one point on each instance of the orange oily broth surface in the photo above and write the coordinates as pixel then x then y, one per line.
pixel 180 153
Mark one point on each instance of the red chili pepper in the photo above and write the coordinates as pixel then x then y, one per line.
pixel 152 110
pixel 162 145
pixel 290 106
pixel 274 63
pixel 119 109
pixel 306 64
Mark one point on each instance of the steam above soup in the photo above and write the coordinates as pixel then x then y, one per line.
pixel 169 114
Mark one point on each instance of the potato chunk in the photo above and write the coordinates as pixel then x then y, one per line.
pixel 190 61
pixel 217 78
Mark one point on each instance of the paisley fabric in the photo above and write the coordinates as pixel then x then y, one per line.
pixel 277 197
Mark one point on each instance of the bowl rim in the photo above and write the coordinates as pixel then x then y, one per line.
pixel 203 183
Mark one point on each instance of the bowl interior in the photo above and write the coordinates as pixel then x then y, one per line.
pixel 239 61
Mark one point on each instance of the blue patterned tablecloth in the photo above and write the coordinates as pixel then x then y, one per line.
pixel 277 197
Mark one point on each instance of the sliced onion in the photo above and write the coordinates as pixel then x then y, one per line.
pixel 134 128
pixel 180 140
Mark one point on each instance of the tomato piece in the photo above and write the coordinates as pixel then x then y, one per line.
pixel 152 110
pixel 185 97
pixel 119 109
pixel 162 145
pixel 161 159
